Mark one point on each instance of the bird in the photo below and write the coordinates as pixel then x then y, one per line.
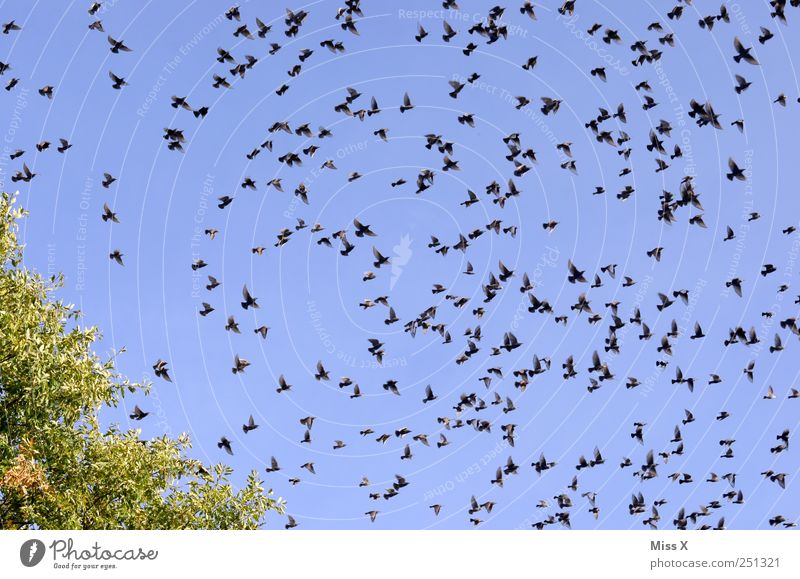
pixel 117 256
pixel 11 26
pixel 117 82
pixel 321 374
pixel 138 413
pixel 379 258
pixel 362 230
pixel 421 33
pixel 25 175
pixel 743 53
pixel 161 371
pixel 735 171
pixel 274 466
pixel 575 275
pixel 406 106
pixel 429 395
pixel 283 385
pixel 742 84
pixel 109 215
pixel 249 300
pixel 225 444
pixel 117 45
pixel 250 425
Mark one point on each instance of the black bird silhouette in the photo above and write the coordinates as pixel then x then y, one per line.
pixel 117 82
pixel 117 45
pixel 224 443
pixel 138 413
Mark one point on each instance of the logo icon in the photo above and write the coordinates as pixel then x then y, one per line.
pixel 402 255
pixel 32 552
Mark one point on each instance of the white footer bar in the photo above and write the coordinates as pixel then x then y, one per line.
pixel 406 554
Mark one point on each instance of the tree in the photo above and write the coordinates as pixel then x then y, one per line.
pixel 59 469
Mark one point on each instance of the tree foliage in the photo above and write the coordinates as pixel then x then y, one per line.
pixel 59 468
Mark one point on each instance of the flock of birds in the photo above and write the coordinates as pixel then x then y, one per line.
pixel 473 408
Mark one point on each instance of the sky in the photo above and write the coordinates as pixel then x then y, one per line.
pixel 309 294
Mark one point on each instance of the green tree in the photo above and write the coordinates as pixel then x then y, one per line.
pixel 59 469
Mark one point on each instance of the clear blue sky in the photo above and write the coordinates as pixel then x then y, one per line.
pixel 309 294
